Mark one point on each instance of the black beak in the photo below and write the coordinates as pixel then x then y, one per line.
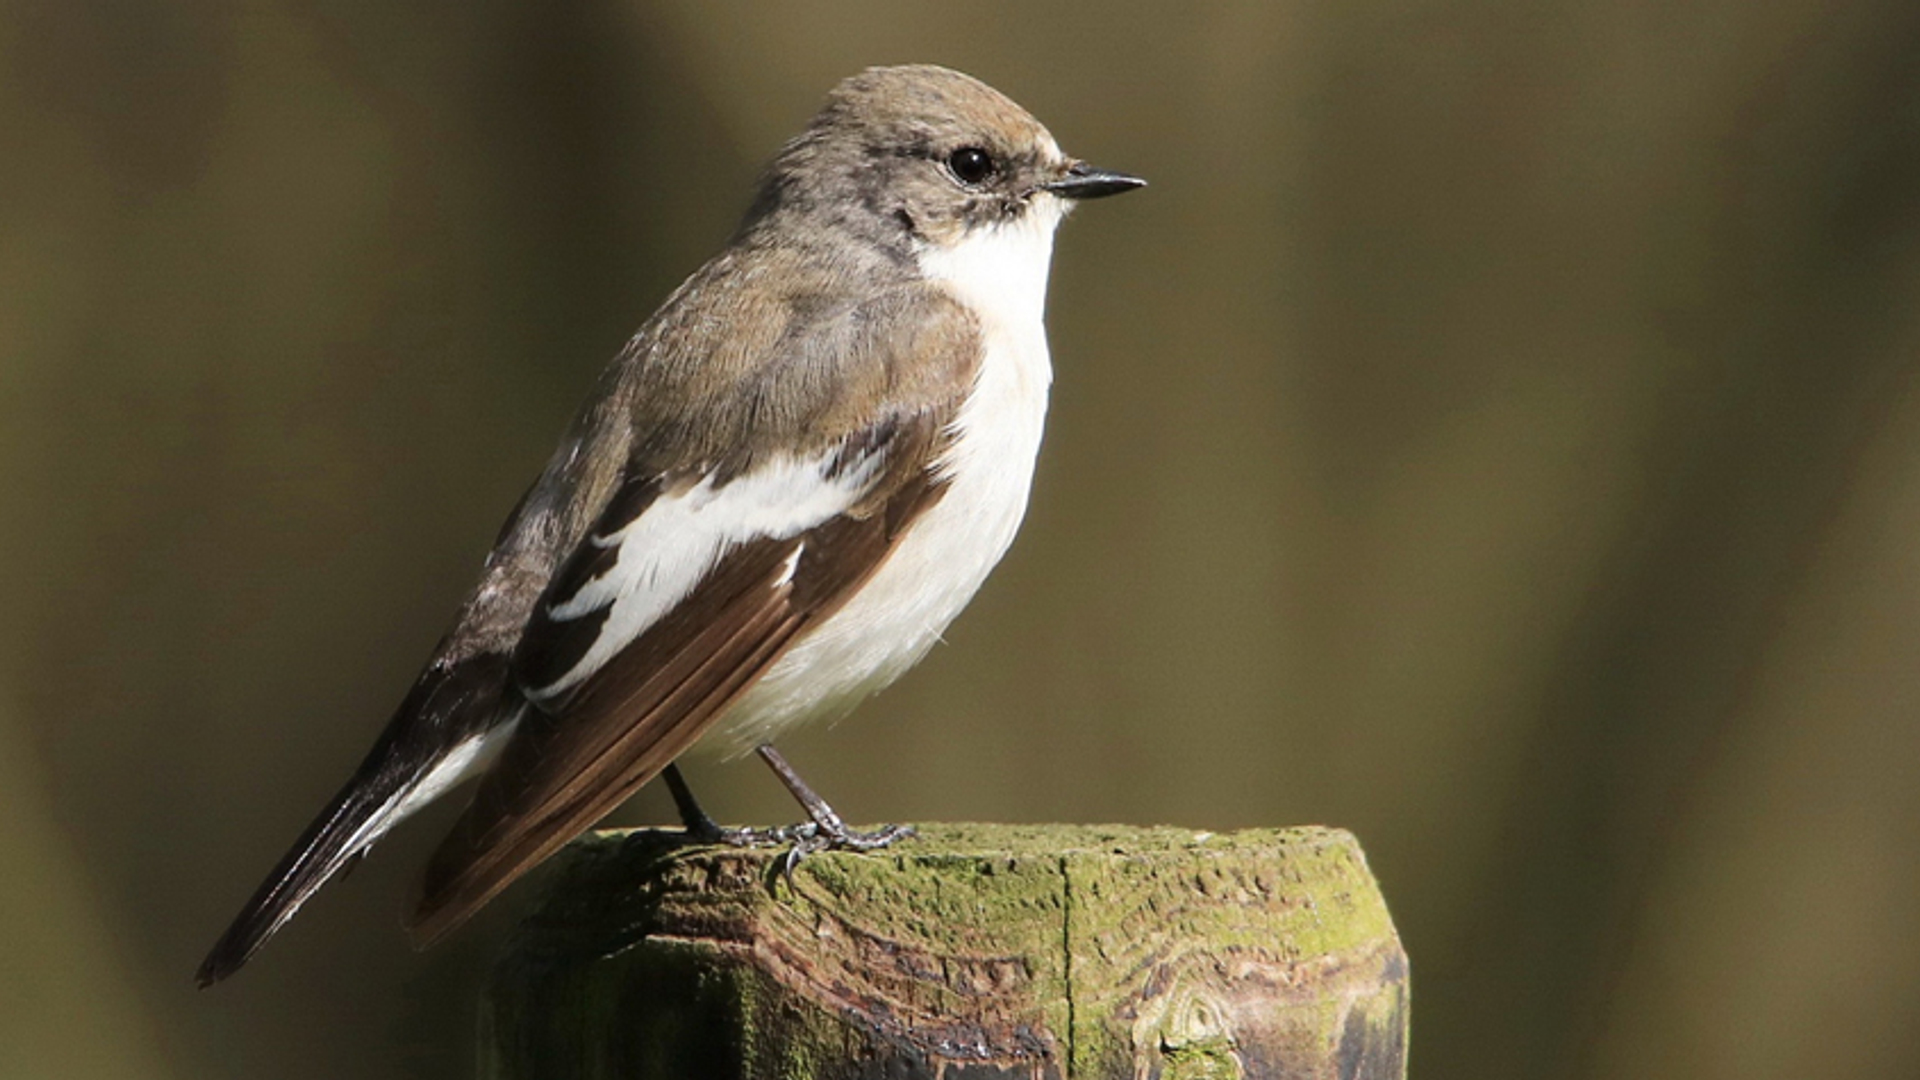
pixel 1083 181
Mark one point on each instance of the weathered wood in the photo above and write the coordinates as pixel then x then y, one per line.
pixel 972 951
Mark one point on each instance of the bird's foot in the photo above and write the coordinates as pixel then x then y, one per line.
pixel 824 831
pixel 810 837
pixel 743 836
pixel 801 840
pixel 837 835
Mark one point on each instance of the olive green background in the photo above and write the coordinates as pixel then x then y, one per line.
pixel 1496 432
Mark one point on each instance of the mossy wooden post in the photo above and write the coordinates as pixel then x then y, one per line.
pixel 969 952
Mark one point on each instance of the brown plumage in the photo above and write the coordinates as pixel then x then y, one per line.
pixel 573 761
pixel 776 496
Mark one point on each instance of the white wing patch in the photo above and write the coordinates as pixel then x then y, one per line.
pixel 671 547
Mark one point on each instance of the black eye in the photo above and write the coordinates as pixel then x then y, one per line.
pixel 971 165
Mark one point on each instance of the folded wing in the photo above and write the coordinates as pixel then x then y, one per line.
pixel 689 586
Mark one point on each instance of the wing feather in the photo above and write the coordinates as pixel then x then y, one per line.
pixel 616 726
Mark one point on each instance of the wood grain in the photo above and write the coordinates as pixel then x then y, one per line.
pixel 971 951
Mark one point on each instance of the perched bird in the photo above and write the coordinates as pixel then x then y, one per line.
pixel 778 495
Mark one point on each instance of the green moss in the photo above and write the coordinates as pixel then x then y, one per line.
pixel 1211 1061
pixel 1093 948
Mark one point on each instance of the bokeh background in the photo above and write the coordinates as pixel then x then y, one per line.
pixel 1496 431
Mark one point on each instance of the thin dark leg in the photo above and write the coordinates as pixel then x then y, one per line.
pixel 829 830
pixel 702 829
pixel 699 826
pixel 825 830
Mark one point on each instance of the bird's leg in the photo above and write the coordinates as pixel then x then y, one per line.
pixel 828 830
pixel 825 830
pixel 702 829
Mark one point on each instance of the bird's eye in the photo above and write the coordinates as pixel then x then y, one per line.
pixel 971 165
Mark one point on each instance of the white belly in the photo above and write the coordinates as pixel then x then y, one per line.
pixel 901 611
pixel 898 615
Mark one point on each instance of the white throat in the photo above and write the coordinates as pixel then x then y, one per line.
pixel 1001 272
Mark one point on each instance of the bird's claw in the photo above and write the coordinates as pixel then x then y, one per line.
pixel 824 831
pixel 801 840
pixel 741 837
pixel 809 837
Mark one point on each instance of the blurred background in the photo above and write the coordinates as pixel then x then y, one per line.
pixel 1496 432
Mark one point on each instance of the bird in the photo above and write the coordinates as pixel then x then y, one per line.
pixel 776 497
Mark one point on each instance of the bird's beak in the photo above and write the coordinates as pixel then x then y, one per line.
pixel 1083 181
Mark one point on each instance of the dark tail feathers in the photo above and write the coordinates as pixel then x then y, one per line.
pixel 451 701
pixel 331 844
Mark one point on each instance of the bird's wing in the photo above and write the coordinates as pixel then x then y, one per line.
pixel 681 596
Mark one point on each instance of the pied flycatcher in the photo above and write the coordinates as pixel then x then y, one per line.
pixel 778 495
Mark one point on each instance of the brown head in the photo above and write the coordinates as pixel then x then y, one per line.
pixel 919 155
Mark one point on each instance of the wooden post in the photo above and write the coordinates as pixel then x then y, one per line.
pixel 969 952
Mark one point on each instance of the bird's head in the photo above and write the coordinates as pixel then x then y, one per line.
pixel 924 158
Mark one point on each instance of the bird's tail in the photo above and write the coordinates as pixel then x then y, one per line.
pixel 357 816
pixel 451 723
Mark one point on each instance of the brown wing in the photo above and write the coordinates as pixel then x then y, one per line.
pixel 567 768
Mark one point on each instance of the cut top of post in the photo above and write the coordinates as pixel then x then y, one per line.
pixel 1072 951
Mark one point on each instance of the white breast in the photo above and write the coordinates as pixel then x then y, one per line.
pixel 946 555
